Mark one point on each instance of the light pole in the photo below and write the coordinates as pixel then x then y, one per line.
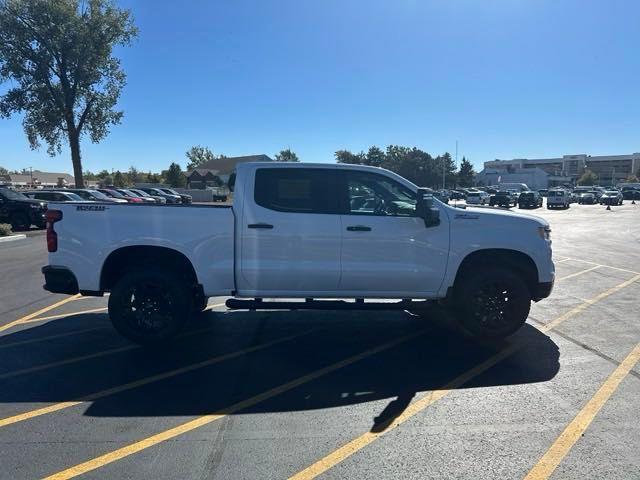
pixel 31 173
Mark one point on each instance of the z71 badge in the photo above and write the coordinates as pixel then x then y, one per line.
pixel 91 208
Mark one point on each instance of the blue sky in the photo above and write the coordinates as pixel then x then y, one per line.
pixel 512 78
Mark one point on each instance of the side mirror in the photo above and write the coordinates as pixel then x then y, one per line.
pixel 425 208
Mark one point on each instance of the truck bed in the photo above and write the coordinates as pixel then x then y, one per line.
pixel 203 233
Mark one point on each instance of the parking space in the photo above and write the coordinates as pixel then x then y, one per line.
pixel 334 394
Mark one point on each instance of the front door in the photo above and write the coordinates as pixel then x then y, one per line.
pixel 386 250
pixel 290 233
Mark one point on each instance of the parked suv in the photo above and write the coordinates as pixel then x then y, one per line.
pixel 54 196
pixel 20 211
pixel 477 198
pixel 170 191
pixel 503 198
pixel 611 197
pixel 530 200
pixel 558 199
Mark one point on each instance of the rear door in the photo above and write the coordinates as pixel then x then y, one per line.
pixel 289 233
pixel 386 250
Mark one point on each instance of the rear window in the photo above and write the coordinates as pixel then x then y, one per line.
pixel 296 190
pixel 473 195
pixel 556 194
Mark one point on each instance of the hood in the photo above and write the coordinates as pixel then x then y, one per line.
pixel 492 215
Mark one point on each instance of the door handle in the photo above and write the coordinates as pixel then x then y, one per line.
pixel 260 225
pixel 359 228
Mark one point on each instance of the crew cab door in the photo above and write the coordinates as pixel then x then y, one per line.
pixel 289 233
pixel 387 251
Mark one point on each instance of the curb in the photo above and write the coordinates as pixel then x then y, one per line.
pixel 11 238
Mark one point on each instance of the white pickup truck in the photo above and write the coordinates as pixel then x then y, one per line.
pixel 301 231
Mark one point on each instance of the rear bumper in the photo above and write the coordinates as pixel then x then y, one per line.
pixel 59 280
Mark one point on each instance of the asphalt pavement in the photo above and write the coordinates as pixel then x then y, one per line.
pixel 332 394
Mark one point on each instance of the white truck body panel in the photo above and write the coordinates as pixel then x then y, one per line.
pixel 203 234
pixel 304 254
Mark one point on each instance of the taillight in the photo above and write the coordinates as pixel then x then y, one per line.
pixel 135 200
pixel 51 217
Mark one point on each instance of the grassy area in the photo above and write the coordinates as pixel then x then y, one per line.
pixel 5 229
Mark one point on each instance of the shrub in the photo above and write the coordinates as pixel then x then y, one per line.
pixel 5 229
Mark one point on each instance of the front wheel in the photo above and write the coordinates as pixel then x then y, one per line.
pixel 149 306
pixel 492 303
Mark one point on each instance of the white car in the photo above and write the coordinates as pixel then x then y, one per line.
pixel 302 231
pixel 558 199
pixel 478 198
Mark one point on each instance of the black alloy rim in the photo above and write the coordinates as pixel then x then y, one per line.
pixel 147 308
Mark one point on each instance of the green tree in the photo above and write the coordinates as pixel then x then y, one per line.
pixel 174 176
pixel 133 175
pixel 375 157
pixel 64 79
pixel 588 178
pixel 119 180
pixel 102 174
pixel 198 155
pixel 466 173
pixel 287 156
pixel 3 171
pixel 106 181
pixel 345 156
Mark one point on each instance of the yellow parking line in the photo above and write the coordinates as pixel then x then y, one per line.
pixel 433 396
pixel 39 312
pixel 568 438
pixel 64 315
pixel 588 303
pixel 579 273
pixel 144 381
pixel 207 419
pixel 605 266
pixel 89 356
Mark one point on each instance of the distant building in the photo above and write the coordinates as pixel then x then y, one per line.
pixel 611 169
pixel 534 178
pixel 37 179
pixel 215 173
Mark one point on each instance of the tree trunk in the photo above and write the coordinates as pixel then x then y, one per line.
pixel 74 143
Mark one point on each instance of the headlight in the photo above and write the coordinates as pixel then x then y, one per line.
pixel 545 233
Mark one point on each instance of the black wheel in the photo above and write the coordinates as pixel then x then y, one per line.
pixel 20 221
pixel 492 303
pixel 149 306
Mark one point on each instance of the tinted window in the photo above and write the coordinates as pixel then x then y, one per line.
pixel 300 190
pixel 373 194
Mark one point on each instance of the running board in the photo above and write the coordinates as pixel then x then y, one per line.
pixel 312 304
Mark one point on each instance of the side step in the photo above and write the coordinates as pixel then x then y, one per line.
pixel 312 304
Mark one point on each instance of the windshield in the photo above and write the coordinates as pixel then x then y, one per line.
pixel 140 193
pixel 11 194
pixel 168 190
pixel 113 193
pixel 73 196
pixel 96 194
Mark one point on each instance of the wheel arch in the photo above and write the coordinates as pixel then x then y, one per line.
pixel 515 260
pixel 125 259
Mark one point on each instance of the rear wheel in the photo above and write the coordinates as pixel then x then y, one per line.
pixel 149 306
pixel 492 303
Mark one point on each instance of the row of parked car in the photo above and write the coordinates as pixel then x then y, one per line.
pixel 25 208
pixel 556 197
pixel 111 195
